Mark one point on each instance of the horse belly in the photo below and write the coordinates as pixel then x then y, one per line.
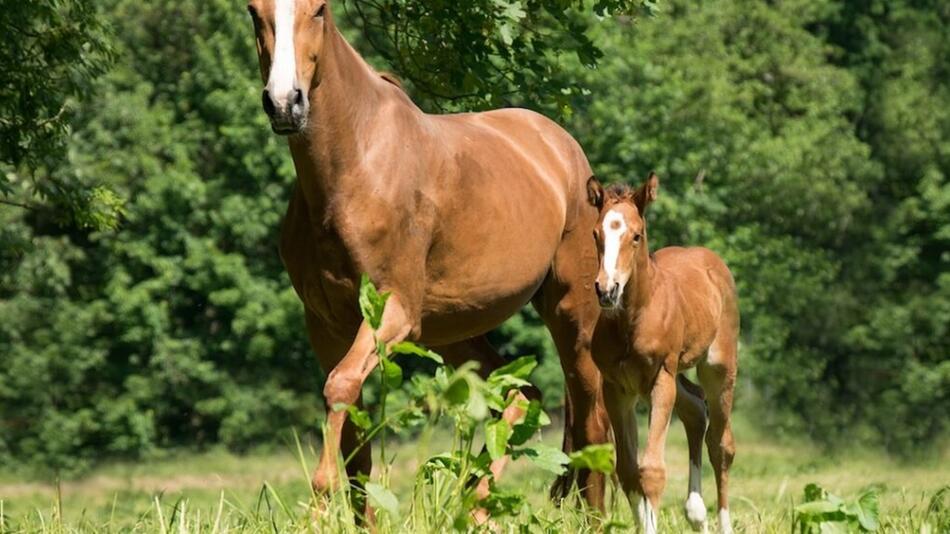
pixel 501 248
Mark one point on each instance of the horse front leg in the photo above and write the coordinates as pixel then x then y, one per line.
pixel 345 382
pixel 653 464
pixel 622 410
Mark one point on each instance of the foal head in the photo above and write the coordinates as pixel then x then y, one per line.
pixel 290 37
pixel 620 234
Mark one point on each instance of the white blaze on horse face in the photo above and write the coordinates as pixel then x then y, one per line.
pixel 283 73
pixel 614 227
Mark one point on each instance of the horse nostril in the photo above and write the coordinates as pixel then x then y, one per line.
pixel 615 291
pixel 268 103
pixel 597 287
pixel 298 97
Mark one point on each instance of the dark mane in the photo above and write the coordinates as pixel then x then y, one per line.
pixel 618 192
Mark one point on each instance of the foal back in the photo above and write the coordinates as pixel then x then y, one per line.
pixel 693 307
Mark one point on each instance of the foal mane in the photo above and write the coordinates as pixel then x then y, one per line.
pixel 619 192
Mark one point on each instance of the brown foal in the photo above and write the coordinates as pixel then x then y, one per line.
pixel 666 312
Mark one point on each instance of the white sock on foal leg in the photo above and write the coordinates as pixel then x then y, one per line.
pixel 696 511
pixel 725 524
pixel 647 516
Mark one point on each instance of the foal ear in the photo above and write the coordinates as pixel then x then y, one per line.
pixel 646 194
pixel 595 192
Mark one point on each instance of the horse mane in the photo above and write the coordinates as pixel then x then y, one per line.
pixel 619 192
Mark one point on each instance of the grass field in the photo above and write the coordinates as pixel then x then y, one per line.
pixel 217 491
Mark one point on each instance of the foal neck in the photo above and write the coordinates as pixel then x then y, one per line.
pixel 638 295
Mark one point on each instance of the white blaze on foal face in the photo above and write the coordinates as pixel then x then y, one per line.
pixel 614 227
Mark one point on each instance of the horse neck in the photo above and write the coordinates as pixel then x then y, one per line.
pixel 344 111
pixel 637 297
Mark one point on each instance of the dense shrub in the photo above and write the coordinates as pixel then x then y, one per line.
pixel 805 141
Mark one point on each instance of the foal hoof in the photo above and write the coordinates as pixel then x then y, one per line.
pixel 695 510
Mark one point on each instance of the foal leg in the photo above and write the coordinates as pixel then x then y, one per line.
pixel 653 465
pixel 718 377
pixel 345 382
pixel 691 410
pixel 622 409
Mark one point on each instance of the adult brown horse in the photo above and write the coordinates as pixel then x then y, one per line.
pixel 463 218
pixel 670 311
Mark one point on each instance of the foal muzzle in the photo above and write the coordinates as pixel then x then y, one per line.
pixel 608 297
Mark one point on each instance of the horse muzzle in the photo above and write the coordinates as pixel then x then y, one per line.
pixel 608 297
pixel 287 113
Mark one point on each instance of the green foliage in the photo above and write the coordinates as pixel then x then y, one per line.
pixel 804 141
pixel 180 327
pixel 54 51
pixel 823 512
pixel 485 53
pixel 444 481
pixel 817 173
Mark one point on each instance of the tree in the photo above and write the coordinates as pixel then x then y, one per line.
pixel 486 53
pixel 54 51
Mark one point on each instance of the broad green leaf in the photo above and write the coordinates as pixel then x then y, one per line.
pixel 360 418
pixel 520 368
pixel 458 391
pixel 372 303
pixel 867 511
pixel 545 457
pixel 500 503
pixel 382 499
pixel 411 349
pixel 523 431
pixel 496 437
pixel 598 458
pixel 392 373
pixel 477 406
pixel 814 508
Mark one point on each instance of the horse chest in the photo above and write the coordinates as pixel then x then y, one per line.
pixel 322 271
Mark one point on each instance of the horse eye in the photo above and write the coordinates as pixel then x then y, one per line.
pixel 636 238
pixel 320 11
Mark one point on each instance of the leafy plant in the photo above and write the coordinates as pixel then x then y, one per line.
pixel 474 406
pixel 825 513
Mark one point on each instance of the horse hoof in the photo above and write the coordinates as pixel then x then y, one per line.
pixel 696 512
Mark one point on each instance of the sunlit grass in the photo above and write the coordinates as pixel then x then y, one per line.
pixel 269 491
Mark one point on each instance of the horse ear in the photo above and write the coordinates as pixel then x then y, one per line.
pixel 595 192
pixel 647 192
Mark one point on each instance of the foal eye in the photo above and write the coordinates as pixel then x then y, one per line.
pixel 320 11
pixel 636 238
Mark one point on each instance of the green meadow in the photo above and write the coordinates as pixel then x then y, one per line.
pixel 217 491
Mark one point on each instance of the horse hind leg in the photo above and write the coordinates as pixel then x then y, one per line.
pixel 718 377
pixel 570 312
pixel 691 410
